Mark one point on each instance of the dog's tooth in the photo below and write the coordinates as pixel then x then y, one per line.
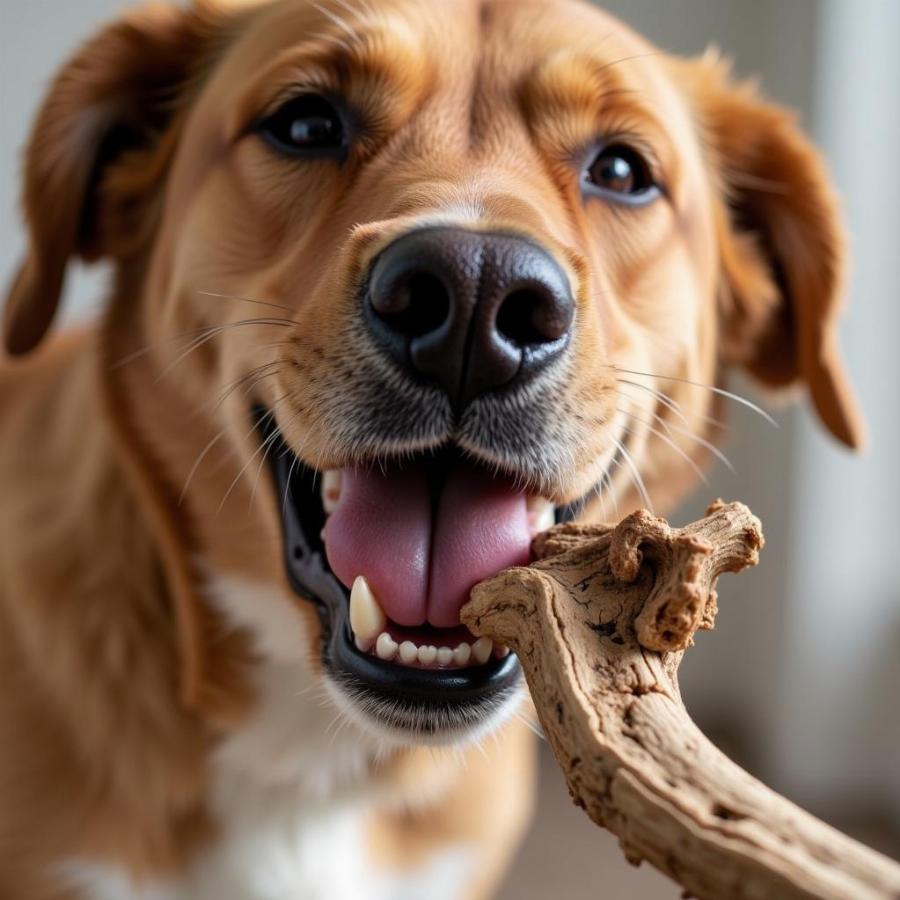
pixel 501 651
pixel 385 646
pixel 547 519
pixel 541 513
pixel 427 655
pixel 462 654
pixel 536 503
pixel 409 653
pixel 331 490
pixel 363 646
pixel 444 656
pixel 482 649
pixel 367 618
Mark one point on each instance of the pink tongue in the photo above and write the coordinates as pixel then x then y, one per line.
pixel 423 555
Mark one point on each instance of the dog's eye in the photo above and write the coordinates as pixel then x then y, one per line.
pixel 621 173
pixel 308 126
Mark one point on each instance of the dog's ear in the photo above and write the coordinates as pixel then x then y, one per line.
pixel 781 244
pixel 110 104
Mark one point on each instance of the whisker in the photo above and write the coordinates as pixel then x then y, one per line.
pixel 191 333
pixel 315 688
pixel 671 404
pixel 340 720
pixel 247 300
pixel 671 426
pixel 612 491
pixel 213 332
pixel 680 451
pixel 271 442
pixel 719 455
pixel 478 744
pixel 250 387
pixel 260 449
pixel 287 484
pixel 600 493
pixel 635 474
pixel 197 462
pixel 737 398
pixel 143 351
pixel 260 371
pixel 665 399
pixel 531 726
pixel 259 469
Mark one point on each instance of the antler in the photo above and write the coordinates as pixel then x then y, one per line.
pixel 600 624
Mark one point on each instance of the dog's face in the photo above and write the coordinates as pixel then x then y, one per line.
pixel 455 269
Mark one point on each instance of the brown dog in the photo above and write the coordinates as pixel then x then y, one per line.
pixel 396 282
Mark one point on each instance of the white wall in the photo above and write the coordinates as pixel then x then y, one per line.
pixel 35 37
pixel 839 713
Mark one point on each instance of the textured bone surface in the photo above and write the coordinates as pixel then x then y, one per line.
pixel 600 623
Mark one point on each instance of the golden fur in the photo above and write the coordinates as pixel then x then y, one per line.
pixel 119 678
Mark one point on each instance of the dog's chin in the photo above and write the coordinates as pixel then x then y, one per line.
pixel 397 723
pixel 403 685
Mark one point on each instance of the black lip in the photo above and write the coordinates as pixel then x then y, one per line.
pixel 431 699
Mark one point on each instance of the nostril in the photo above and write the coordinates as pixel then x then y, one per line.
pixel 473 311
pixel 530 316
pixel 429 304
pixel 417 306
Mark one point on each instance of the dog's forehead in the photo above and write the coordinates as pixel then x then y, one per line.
pixel 493 43
pixel 464 73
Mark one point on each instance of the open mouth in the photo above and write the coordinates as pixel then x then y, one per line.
pixel 388 554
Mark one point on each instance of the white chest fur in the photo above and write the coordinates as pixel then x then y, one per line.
pixel 290 793
pixel 281 855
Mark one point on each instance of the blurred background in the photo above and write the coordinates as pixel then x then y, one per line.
pixel 800 682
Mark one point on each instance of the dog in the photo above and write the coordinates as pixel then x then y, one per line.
pixel 396 284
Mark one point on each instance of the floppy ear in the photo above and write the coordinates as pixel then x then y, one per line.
pixel 110 104
pixel 782 245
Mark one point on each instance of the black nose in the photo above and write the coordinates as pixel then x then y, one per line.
pixel 471 310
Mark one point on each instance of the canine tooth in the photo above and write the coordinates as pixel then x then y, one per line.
pixel 482 649
pixel 541 513
pixel 409 652
pixel 367 618
pixel 363 646
pixel 427 655
pixel 462 654
pixel 331 490
pixel 501 651
pixel 444 656
pixel 385 646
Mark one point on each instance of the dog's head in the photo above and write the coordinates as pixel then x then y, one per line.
pixel 452 268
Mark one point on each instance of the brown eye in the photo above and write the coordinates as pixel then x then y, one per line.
pixel 620 173
pixel 308 126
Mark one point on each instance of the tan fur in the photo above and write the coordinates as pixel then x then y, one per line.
pixel 119 678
